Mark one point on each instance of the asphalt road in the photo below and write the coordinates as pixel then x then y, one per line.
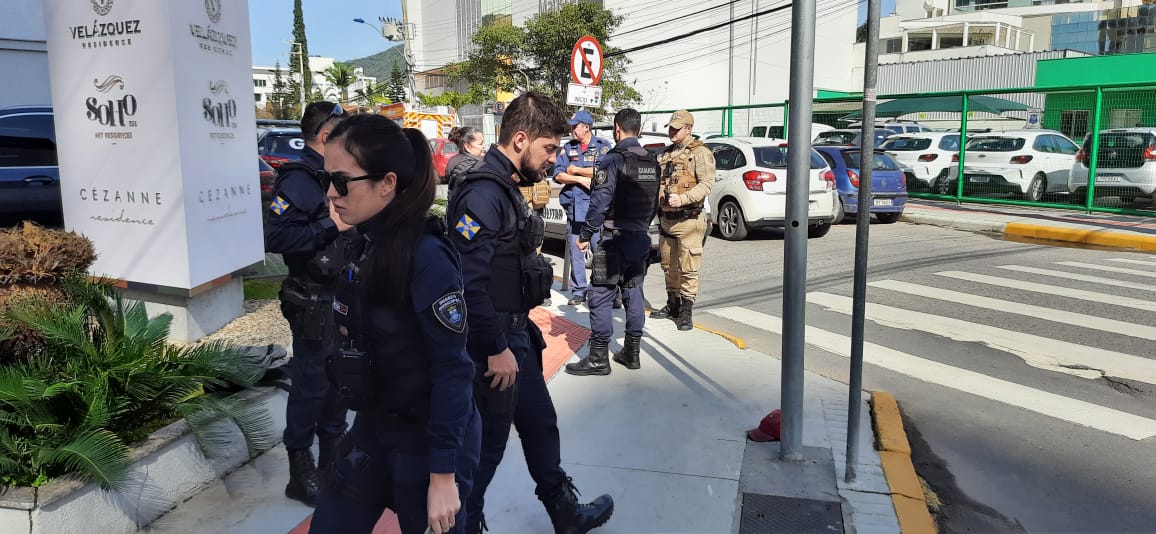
pixel 1061 445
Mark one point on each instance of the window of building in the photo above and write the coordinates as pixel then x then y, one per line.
pixel 257 97
pixel 917 42
pixel 1124 118
pixel 1074 124
pixel 260 82
pixel 893 46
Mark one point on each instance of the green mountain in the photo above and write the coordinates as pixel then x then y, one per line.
pixel 380 64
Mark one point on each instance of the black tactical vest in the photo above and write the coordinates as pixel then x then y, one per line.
pixel 636 194
pixel 520 278
pixel 389 337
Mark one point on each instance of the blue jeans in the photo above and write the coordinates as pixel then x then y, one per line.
pixel 578 260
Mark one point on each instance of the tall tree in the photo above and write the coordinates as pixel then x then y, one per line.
pixel 341 75
pixel 283 101
pixel 537 56
pixel 300 62
pixel 373 93
pixel 396 91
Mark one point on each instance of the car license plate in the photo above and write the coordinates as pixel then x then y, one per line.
pixel 978 179
pixel 1109 178
pixel 882 202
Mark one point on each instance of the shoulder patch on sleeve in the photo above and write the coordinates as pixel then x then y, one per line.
pixel 600 176
pixel 279 205
pixel 467 226
pixel 450 311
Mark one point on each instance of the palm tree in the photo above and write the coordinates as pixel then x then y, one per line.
pixel 341 75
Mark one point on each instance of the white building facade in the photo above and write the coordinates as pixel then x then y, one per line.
pixel 747 62
pixel 263 78
pixel 24 55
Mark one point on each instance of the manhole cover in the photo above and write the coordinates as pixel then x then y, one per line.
pixel 768 514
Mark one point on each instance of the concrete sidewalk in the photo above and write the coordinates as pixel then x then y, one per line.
pixel 667 442
pixel 1097 229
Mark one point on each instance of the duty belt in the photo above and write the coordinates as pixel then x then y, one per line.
pixel 683 214
pixel 511 322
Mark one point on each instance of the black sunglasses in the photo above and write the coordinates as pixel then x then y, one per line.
pixel 336 112
pixel 340 182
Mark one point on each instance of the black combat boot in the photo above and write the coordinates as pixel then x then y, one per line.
pixel 304 481
pixel 684 320
pixel 327 449
pixel 570 517
pixel 670 311
pixel 597 362
pixel 628 356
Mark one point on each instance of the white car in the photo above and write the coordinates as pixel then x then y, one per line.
pixel 750 189
pixel 1125 167
pixel 1027 162
pixel 925 156
pixel 775 130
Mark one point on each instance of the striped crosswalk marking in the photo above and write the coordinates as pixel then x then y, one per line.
pixel 1079 294
pixel 1079 277
pixel 1035 400
pixel 1134 262
pixel 1029 310
pixel 1036 351
pixel 1107 268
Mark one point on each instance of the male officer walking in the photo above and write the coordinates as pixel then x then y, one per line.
pixel 622 204
pixel 687 177
pixel 504 278
pixel 301 228
pixel 575 170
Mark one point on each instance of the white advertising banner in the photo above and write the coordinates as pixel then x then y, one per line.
pixel 155 136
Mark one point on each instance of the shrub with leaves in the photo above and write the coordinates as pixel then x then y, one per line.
pixel 105 373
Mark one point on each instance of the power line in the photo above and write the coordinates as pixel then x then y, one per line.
pixel 676 19
pixel 701 30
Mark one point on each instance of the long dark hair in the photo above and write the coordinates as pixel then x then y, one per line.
pixel 380 146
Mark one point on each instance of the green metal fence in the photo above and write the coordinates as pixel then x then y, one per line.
pixel 1089 148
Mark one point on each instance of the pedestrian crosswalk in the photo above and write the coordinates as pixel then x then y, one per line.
pixel 929 308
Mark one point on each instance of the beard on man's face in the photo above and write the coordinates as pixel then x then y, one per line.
pixel 528 172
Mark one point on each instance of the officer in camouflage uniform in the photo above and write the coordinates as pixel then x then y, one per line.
pixel 687 176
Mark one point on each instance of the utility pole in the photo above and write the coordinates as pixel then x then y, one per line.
pixel 795 250
pixel 407 34
pixel 729 115
pixel 862 230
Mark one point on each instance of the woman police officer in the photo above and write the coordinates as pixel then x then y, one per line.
pixel 401 318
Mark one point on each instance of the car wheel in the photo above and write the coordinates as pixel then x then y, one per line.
pixel 1036 188
pixel 945 187
pixel 731 224
pixel 840 213
pixel 818 230
pixel 889 217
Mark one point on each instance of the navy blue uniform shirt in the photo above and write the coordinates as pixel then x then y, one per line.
pixel 299 225
pixel 574 198
pixel 603 193
pixel 478 221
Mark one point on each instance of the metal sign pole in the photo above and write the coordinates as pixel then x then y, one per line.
pixel 795 248
pixel 862 232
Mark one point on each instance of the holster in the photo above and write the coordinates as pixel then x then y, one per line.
pixel 351 373
pixel 490 400
pixel 307 309
pixel 607 263
pixel 537 279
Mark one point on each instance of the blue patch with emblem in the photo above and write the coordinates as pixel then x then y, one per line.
pixel 450 311
pixel 279 205
pixel 467 227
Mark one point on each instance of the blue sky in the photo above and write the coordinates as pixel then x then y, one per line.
pixel 333 33
pixel 330 28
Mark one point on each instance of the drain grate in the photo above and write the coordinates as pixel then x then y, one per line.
pixel 768 514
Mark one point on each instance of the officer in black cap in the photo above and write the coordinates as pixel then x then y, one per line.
pixel 300 227
pixel 504 278
pixel 402 363
pixel 622 204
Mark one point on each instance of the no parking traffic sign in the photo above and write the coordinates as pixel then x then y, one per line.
pixel 586 61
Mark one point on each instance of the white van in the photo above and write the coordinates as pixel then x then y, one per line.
pixel 774 130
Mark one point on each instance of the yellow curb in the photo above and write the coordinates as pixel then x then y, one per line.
pixel 1102 238
pixel 889 432
pixel 738 341
pixel 895 453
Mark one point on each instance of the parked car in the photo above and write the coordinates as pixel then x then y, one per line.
pixel 29 176
pixel 267 177
pixel 442 150
pixel 1125 166
pixel 775 130
pixel 1025 162
pixel 888 184
pixel 750 189
pixel 924 157
pixel 280 145
pixel 898 127
pixel 849 137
